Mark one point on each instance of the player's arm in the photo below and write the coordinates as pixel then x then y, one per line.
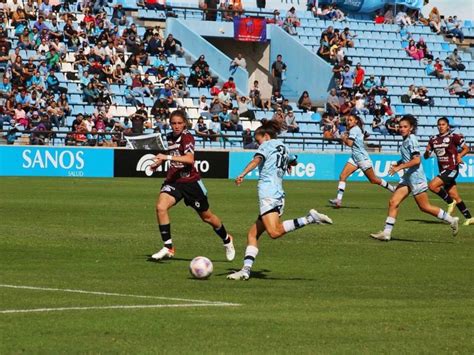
pixel 250 166
pixel 347 140
pixel 428 151
pixel 465 150
pixel 461 143
pixel 187 158
pixel 415 161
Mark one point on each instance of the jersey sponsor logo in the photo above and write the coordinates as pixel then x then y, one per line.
pixel 446 140
pixel 440 152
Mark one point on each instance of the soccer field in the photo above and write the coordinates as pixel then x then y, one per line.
pixel 75 275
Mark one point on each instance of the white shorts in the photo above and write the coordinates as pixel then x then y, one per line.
pixel 363 164
pixel 268 205
pixel 416 188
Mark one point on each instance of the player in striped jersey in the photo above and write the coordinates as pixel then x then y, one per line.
pixel 273 160
pixel 445 145
pixel 413 180
pixel 359 160
pixel 183 182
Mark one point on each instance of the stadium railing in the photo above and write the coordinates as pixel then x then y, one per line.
pixel 234 141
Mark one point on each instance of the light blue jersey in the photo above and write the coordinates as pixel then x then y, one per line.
pixel 272 168
pixel 359 153
pixel 413 177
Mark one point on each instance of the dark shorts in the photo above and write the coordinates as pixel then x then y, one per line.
pixel 448 177
pixel 193 193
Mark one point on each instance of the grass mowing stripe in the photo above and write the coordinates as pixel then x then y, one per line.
pixel 138 306
pixel 111 294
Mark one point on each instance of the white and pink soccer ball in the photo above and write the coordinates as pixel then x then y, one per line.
pixel 201 267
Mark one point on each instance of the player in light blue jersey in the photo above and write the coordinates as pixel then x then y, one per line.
pixel 413 180
pixel 273 161
pixel 359 160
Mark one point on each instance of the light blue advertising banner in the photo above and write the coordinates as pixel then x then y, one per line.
pixel 50 161
pixel 329 166
pixel 310 166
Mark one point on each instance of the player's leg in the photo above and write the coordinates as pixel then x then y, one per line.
pixel 251 251
pixel 219 228
pixel 401 193
pixel 164 203
pixel 276 229
pixel 453 192
pixel 423 203
pixel 195 196
pixel 437 186
pixel 348 169
pixel 374 179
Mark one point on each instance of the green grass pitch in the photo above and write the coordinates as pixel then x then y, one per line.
pixel 322 289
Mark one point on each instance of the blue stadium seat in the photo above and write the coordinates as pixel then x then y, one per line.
pixel 462 101
pixel 399 110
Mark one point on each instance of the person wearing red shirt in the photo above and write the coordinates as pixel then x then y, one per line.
pixel 359 76
pixel 230 86
pixel 449 149
pixel 183 182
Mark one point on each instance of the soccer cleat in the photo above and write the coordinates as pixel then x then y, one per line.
pixel 164 253
pixel 319 218
pixel 335 203
pixel 455 226
pixel 382 235
pixel 229 249
pixel 451 207
pixel 468 221
pixel 239 275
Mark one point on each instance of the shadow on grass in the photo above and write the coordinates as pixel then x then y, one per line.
pixel 421 241
pixel 425 221
pixel 344 207
pixel 149 259
pixel 263 275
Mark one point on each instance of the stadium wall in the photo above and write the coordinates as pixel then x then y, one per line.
pixel 190 34
pixel 257 56
pixel 305 71
pixel 107 163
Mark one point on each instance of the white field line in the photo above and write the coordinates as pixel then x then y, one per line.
pixel 118 295
pixel 62 309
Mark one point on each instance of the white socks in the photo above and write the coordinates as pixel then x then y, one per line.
pixel 445 216
pixel 340 190
pixel 250 255
pixel 386 185
pixel 389 223
pixel 292 224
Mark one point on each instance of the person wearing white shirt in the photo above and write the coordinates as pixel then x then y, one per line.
pixel 224 98
pixel 204 108
pixel 43 46
pixel 110 51
pixel 89 124
pixel 238 61
pixel 13 5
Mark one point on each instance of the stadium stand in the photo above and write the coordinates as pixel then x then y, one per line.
pixel 136 76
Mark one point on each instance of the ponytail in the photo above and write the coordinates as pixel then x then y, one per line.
pixel 270 127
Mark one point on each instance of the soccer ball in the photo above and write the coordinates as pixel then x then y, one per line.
pixel 201 267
